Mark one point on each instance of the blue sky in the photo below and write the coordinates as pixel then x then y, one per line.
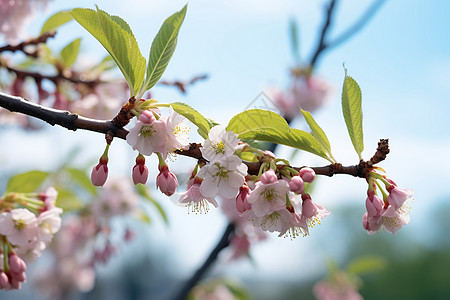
pixel 401 60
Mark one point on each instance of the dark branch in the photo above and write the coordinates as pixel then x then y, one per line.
pixel 72 121
pixel 21 47
pixel 222 244
pixel 183 85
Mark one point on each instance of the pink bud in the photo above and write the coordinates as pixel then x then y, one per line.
pixel 140 174
pixel 242 203
pixel 374 204
pixel 4 281
pixel 269 177
pixel 166 181
pixel 16 264
pixel 297 185
pixel 147 117
pixel 19 277
pixel 307 174
pixel 99 174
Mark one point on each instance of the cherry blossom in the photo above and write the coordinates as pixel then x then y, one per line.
pixel 398 196
pixel 20 226
pixel 312 213
pixel 223 177
pixel 148 137
pixel 219 143
pixel 194 199
pixel 166 181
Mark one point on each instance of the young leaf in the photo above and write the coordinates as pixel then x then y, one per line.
pixel 56 20
pixel 267 126
pixel 70 53
pixel 194 116
pixel 316 131
pixel 162 48
pixel 366 264
pixel 116 37
pixel 68 200
pixel 351 107
pixel 26 182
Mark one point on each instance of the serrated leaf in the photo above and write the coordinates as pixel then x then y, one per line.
pixel 267 126
pixel 142 190
pixel 366 264
pixel 27 182
pixel 194 116
pixel 70 53
pixel 162 49
pixel 351 108
pixel 316 131
pixel 82 179
pixel 116 37
pixel 68 200
pixel 56 20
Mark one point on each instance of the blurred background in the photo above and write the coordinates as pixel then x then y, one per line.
pixel 401 60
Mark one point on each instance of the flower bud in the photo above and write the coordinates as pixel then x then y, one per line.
pixel 140 170
pixel 398 196
pixel 269 177
pixel 166 181
pixel 147 117
pixel 242 204
pixel 307 174
pixel 374 204
pixel 297 185
pixel 99 173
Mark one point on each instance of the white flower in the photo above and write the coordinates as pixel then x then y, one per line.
pixel 49 223
pixel 278 221
pixel 219 143
pixel 19 226
pixel 223 177
pixel 148 138
pixel 177 132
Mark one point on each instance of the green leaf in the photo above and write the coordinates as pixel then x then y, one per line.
pixel 82 179
pixel 249 156
pixel 70 53
pixel 27 182
pixel 56 20
pixel 267 126
pixel 68 200
pixel 366 264
pixel 316 131
pixel 194 116
pixel 351 107
pixel 163 46
pixel 116 37
pixel 143 191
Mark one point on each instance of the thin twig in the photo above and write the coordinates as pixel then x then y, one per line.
pixel 21 47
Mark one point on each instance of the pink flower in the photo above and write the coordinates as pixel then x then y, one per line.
pixel 277 221
pixel 391 219
pixel 194 199
pixel 148 138
pixel 177 133
pixel 398 196
pixel 240 245
pixel 166 181
pixel 297 185
pixel 312 213
pixel 268 198
pixel 140 170
pixel 338 290
pixel 100 173
pixel 307 174
pixel 269 177
pixel 49 198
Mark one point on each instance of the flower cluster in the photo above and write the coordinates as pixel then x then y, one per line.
pixel 391 212
pixel 152 133
pixel 27 225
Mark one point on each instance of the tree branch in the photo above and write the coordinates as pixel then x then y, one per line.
pixel 222 244
pixel 21 47
pixel 72 121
